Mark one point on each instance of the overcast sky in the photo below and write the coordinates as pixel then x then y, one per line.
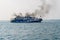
pixel 9 7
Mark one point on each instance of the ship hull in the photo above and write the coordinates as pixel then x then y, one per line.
pixel 26 21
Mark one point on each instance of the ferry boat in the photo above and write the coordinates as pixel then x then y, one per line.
pixel 33 17
pixel 26 19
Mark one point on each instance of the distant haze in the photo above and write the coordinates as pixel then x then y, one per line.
pixel 9 7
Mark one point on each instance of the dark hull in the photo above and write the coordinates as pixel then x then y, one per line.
pixel 27 19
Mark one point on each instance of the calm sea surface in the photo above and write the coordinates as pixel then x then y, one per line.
pixel 46 30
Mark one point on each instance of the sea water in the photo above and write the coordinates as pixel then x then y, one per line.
pixel 46 30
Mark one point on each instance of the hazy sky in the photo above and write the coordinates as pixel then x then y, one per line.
pixel 9 7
